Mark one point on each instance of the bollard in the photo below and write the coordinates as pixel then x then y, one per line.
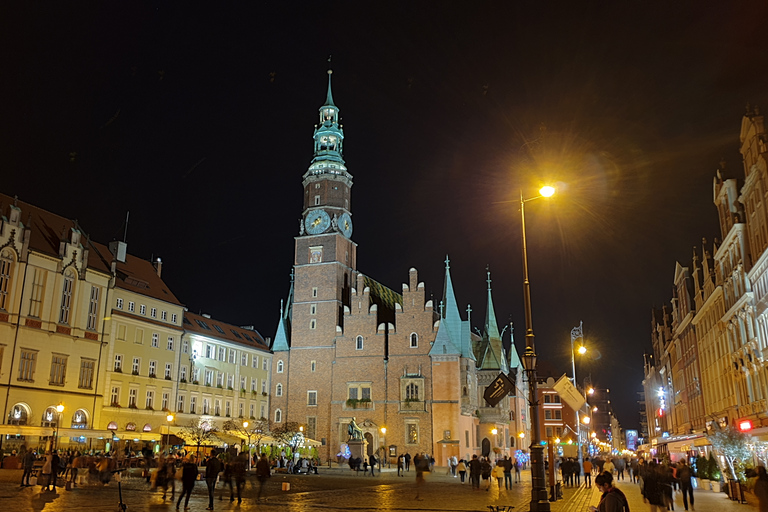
pixel 286 486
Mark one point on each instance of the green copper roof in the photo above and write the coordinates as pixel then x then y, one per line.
pixel 281 336
pixel 514 358
pixel 491 351
pixel 329 97
pixel 443 344
pixel 457 331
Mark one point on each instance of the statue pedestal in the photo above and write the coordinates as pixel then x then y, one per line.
pixel 358 448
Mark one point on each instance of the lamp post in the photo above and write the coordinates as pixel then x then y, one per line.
pixel 169 419
pixel 578 333
pixel 59 410
pixel 539 501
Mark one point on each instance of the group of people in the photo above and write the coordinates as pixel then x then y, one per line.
pixel 481 468
pixel 61 467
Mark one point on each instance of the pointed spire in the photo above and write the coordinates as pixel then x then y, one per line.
pixel 491 327
pixel 457 329
pixel 329 97
pixel 281 335
pixel 443 344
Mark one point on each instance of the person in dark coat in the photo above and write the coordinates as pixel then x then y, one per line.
pixel 372 461
pixel 263 472
pixel 653 488
pixel 474 472
pixel 407 461
pixel 238 473
pixel 188 479
pixel 28 462
pixel 684 476
pixel 213 467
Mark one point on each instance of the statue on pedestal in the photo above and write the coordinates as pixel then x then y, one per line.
pixel 354 431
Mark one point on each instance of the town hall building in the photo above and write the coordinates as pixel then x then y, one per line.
pixel 409 371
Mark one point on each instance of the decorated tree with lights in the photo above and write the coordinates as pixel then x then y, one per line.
pixel 732 445
pixel 200 432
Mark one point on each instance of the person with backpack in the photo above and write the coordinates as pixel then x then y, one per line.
pixel 485 472
pixel 612 500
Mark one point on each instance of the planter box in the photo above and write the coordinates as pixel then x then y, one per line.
pixel 705 484
pixel 716 486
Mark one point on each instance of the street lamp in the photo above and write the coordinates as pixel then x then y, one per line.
pixel 248 434
pixel 168 418
pixel 384 445
pixel 539 501
pixel 59 410
pixel 578 333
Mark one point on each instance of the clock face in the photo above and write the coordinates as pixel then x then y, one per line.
pixel 317 221
pixel 345 225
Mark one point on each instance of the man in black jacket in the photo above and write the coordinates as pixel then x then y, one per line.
pixel 213 467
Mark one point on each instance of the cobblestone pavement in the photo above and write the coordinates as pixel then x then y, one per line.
pixel 331 490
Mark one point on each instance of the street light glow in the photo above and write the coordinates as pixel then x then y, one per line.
pixel 585 420
pixel 245 424
pixel 547 191
pixel 591 391
pixel 582 350
pixel 169 418
pixel 494 431
pixel 60 408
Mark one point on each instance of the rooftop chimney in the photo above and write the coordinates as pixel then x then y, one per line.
pixel 158 264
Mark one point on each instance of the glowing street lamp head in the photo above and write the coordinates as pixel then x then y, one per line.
pixel 60 408
pixel 169 418
pixel 585 420
pixel 245 424
pixel 521 435
pixel 591 391
pixel 547 191
pixel 383 430
pixel 494 431
pixel 582 350
pixel 557 440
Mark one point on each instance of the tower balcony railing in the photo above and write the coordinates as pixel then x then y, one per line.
pixel 410 405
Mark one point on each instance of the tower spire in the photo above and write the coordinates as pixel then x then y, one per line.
pixel 329 97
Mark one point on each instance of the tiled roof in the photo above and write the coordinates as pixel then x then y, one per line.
pixel 212 328
pixel 47 230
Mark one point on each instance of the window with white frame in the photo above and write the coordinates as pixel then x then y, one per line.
pixel 254 384
pixel 164 402
pixel 220 379
pixel 173 318
pixel 314 291
pixel 227 408
pixel 222 354
pixel 206 406
pixel 155 339
pixel 264 363
pixel 133 394
pixel 217 407
pixel 115 397
pixel 244 359
pixel 119 303
pixel 359 343
pixel 86 373
pixel 142 309
pixel 193 405
pixel 279 390
pixel 252 408
pixel 241 409
pixel 208 378
pixel 278 416
pixel 58 369
pixel 243 382
pixel 66 296
pixel 185 347
pixel 264 386
pixel 280 366
pixel 414 340
pixel 183 373
pixel 230 381
pixel 210 351
pixel 164 315
pixel 232 356
pixel 153 312
pixel 263 410
pixel 93 308
pixel 168 370
pixel 313 324
pixel 255 361
pixel 311 397
pixel 27 365
pixel 131 306
pixel 152 368
pixel 118 362
pixel 169 346
pixel 196 374
pixel 180 404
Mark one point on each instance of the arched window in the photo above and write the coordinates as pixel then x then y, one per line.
pixel 18 415
pixel 6 266
pixel 147 428
pixel 278 415
pixel 279 390
pixel 66 295
pixel 112 425
pixel 412 391
pixel 280 366
pixel 464 391
pixel 50 417
pixel 414 340
pixel 130 426
pixel 80 419
pixel 359 343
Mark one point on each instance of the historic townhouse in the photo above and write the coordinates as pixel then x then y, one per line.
pixel 53 289
pixel 223 372
pixel 348 347
pixel 144 333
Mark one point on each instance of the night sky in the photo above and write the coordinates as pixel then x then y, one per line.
pixel 198 120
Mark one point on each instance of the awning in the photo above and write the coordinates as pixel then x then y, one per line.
pixel 26 430
pixel 130 435
pixel 702 441
pixel 74 433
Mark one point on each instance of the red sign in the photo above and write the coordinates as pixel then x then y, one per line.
pixel 745 425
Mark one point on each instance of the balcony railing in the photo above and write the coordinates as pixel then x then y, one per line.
pixel 412 406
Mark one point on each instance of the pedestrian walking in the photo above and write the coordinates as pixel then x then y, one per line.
pixel 400 465
pixel 507 465
pixel 238 474
pixel 609 467
pixel 653 488
pixel 612 499
pixel 498 473
pixel 263 472
pixel 587 472
pixel 188 479
pixel 46 472
pixel 474 472
pixel 372 461
pixel 518 466
pixel 28 463
pixel 407 461
pixel 461 469
pixel 421 461
pixel 485 472
pixel 761 489
pixel 213 467
pixel 684 476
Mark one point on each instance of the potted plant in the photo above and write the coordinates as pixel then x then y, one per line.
pixel 702 473
pixel 714 473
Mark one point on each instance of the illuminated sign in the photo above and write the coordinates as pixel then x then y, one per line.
pixel 745 425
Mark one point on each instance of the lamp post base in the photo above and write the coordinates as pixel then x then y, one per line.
pixel 539 500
